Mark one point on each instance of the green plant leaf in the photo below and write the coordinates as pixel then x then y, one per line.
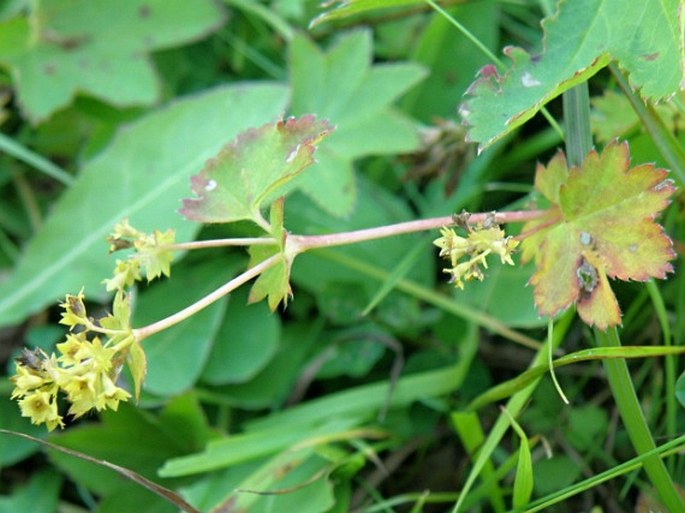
pixel 13 450
pixel 247 340
pixel 271 386
pixel 129 438
pixel 580 39
pixel 99 47
pixel 274 282
pixel 523 482
pixel 680 389
pixel 613 116
pixel 601 225
pixel 249 170
pixel 504 295
pixel 438 47
pixel 343 86
pixel 177 355
pixel 137 364
pixel 140 175
pixel 41 493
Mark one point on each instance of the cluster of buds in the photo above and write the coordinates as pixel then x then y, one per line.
pixel 482 240
pixel 86 370
pixel 153 253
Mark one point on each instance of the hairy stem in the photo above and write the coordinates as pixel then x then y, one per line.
pixel 151 329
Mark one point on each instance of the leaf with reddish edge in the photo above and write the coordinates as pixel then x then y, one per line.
pixel 248 171
pixel 580 38
pixel 600 225
pixel 274 282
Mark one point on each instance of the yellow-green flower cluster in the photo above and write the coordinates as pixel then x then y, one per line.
pixel 85 371
pixel 477 245
pixel 152 254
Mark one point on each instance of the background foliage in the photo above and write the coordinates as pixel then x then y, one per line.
pixel 355 397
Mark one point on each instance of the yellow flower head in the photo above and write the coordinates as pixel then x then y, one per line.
pixel 481 241
pixel 41 408
pixel 74 311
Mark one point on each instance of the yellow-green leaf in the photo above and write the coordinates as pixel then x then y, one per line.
pixel 251 169
pixel 601 225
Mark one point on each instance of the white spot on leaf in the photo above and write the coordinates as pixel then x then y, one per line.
pixel 211 185
pixel 293 154
pixel 529 80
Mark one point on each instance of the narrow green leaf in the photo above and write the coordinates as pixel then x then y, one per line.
pixel 523 482
pixel 344 8
pixel 519 383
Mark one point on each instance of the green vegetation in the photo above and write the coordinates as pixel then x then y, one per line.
pixel 343 274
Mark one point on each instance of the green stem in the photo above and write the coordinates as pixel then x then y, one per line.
pixel 667 144
pixel 578 144
pixel 670 364
pixel 22 153
pixel 577 119
pixel 634 420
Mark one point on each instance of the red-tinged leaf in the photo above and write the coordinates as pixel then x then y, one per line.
pixel 600 225
pixel 249 171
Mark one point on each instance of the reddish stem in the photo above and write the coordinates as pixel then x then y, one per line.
pixel 302 243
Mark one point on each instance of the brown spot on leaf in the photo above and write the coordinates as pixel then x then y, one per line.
pixel 49 69
pixel 587 277
pixel 144 11
pixel 650 56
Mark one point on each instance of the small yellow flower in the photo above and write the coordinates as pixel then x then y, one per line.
pixel 74 311
pixel 41 408
pixel 479 243
pixel 126 273
pixel 25 380
pixel 72 350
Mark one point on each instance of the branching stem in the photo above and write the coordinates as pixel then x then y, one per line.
pixel 301 243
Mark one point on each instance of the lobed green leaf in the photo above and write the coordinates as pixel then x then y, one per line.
pixel 580 39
